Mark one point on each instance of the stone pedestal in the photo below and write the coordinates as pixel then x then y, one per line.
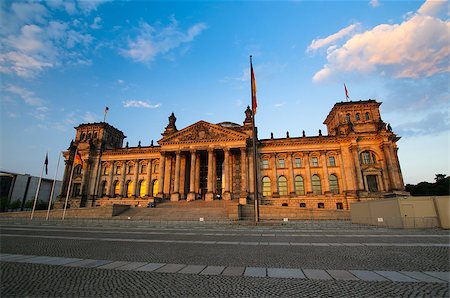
pixel 191 196
pixel 175 197
pixel 209 196
pixel 226 196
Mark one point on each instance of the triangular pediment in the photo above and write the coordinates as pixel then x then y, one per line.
pixel 203 131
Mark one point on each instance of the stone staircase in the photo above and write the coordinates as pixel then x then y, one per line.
pixel 184 211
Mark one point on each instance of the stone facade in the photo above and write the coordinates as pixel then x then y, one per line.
pixel 356 160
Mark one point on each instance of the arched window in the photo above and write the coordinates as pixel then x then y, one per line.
pixel 116 188
pixel 130 169
pixel 299 186
pixel 282 186
pixel 118 170
pixel 95 135
pixel 334 184
pixel 267 189
pixel 129 188
pixel 316 185
pixel 82 136
pixel 103 189
pixel 347 117
pixel 155 187
pixel 367 116
pixel 302 205
pixel 155 168
pixel 106 170
pixel 77 170
pixel 357 117
pixel 368 157
pixel 89 136
pixel 142 188
pixel 143 168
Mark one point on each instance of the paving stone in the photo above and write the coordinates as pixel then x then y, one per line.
pixel 300 243
pixel 213 270
pixel 278 243
pixel 285 273
pixel 255 271
pixel 249 243
pixel 23 259
pixel 317 274
pixel 441 275
pixel 342 275
pixel 367 275
pixel 39 260
pixel 113 265
pixel 320 244
pixel 150 267
pixel 4 256
pixel 132 266
pixel 62 261
pixel 396 276
pixel 422 276
pixel 233 271
pixel 170 268
pixel 192 269
pixel 83 263
pixel 13 258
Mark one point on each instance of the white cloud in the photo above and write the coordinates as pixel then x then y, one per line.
pixel 434 8
pixel 97 23
pixel 140 104
pixel 89 117
pixel 417 47
pixel 374 3
pixel 27 96
pixel 33 40
pixel 329 40
pixel 150 41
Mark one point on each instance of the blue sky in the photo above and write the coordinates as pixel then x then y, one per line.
pixel 62 62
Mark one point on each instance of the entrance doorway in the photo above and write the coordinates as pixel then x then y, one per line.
pixel 372 184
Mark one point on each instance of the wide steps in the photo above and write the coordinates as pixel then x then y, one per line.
pixel 181 210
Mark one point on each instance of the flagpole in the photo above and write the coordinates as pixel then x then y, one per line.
pixel 255 166
pixel 70 183
pixel 37 191
pixel 53 187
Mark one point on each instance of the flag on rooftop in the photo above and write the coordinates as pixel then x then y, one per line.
pixel 346 92
pixel 78 158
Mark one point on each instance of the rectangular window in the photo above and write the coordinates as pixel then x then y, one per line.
pixel 281 163
pixel 143 169
pixel 76 189
pixel 321 205
pixel 298 162
pixel 265 163
pixel 332 161
pixel 339 206
pixel 314 162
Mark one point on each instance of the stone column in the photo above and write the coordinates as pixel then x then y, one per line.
pixel 149 179
pixel 175 196
pixel 290 178
pixel 244 170
pixel 85 175
pixel 307 181
pixel 359 178
pixel 226 164
pixel 210 194
pixel 66 175
pixel 197 174
pixel 273 176
pixel 111 180
pixel 341 166
pixel 191 194
pixel 123 176
pixel 162 161
pixel 136 177
pixel 326 181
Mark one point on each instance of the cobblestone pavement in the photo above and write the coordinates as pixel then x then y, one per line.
pixel 221 248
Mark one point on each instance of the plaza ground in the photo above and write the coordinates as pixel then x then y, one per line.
pixel 186 259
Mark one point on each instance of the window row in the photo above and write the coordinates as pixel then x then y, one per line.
pixel 88 136
pixel 319 205
pixel 129 187
pixel 357 117
pixel 129 169
pixel 299 185
pixel 314 162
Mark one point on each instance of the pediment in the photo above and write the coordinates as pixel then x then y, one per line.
pixel 201 132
